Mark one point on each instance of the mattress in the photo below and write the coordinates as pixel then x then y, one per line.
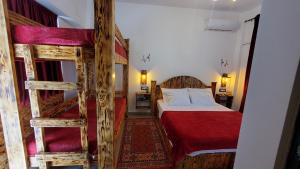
pixel 68 139
pixel 120 112
pixel 59 36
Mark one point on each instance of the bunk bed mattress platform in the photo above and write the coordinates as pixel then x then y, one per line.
pixel 209 131
pixel 68 139
pixel 41 35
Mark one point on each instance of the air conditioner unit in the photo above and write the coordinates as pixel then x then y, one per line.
pixel 222 25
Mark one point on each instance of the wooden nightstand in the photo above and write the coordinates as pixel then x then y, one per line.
pixel 143 100
pixel 224 99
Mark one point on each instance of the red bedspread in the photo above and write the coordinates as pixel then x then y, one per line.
pixel 68 139
pixel 58 36
pixel 196 131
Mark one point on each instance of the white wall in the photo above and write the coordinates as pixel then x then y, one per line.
pixel 177 42
pixel 75 15
pixel 242 53
pixel 75 10
pixel 273 71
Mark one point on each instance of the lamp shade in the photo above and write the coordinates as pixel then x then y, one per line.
pixel 144 77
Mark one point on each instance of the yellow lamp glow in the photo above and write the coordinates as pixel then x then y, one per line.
pixel 144 77
pixel 224 81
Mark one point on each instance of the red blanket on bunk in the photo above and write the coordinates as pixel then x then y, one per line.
pixel 58 36
pixel 120 112
pixel 68 139
pixel 196 131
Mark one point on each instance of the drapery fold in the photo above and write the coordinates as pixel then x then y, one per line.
pixel 47 70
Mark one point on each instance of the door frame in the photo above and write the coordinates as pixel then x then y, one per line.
pixel 289 124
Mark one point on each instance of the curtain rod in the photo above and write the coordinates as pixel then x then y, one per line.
pixel 252 18
pixel 249 20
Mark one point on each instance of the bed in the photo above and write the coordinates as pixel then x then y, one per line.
pixel 64 44
pixel 38 35
pixel 68 139
pixel 201 136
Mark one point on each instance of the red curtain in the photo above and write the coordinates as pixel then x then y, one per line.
pixel 47 70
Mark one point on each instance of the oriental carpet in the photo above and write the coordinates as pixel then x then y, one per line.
pixel 144 145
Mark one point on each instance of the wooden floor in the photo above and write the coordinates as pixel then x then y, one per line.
pixel 139 114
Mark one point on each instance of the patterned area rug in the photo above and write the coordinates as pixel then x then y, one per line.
pixel 144 145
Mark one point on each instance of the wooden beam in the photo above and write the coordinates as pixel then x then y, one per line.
pixel 213 88
pixel 126 77
pixel 120 37
pixel 105 82
pixel 54 122
pixel 121 60
pixel 49 85
pixel 17 19
pixel 9 96
pixel 34 97
pixel 49 52
pixel 153 98
pixel 61 156
pixel 63 163
pixel 81 73
pixel 90 70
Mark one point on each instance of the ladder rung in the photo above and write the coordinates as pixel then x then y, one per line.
pixel 49 52
pixel 48 85
pixel 64 156
pixel 54 122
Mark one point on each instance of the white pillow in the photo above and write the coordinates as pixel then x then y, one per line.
pixel 176 97
pixel 201 97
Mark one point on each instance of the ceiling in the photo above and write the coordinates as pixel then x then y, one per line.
pixel 224 5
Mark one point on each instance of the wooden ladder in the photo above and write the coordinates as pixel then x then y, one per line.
pixel 39 123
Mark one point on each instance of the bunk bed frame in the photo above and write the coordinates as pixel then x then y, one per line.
pixel 104 58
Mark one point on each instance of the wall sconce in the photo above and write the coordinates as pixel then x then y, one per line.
pixel 143 77
pixel 144 81
pixel 224 81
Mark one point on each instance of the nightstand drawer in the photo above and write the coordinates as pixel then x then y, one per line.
pixel 143 100
pixel 225 100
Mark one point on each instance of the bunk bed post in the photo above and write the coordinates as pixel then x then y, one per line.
pixel 105 77
pixel 153 98
pixel 81 73
pixel 126 75
pixel 9 96
pixel 213 88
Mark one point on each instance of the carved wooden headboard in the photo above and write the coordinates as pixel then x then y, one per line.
pixel 176 83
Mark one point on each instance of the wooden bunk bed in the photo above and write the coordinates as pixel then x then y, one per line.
pixel 190 151
pixel 95 64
